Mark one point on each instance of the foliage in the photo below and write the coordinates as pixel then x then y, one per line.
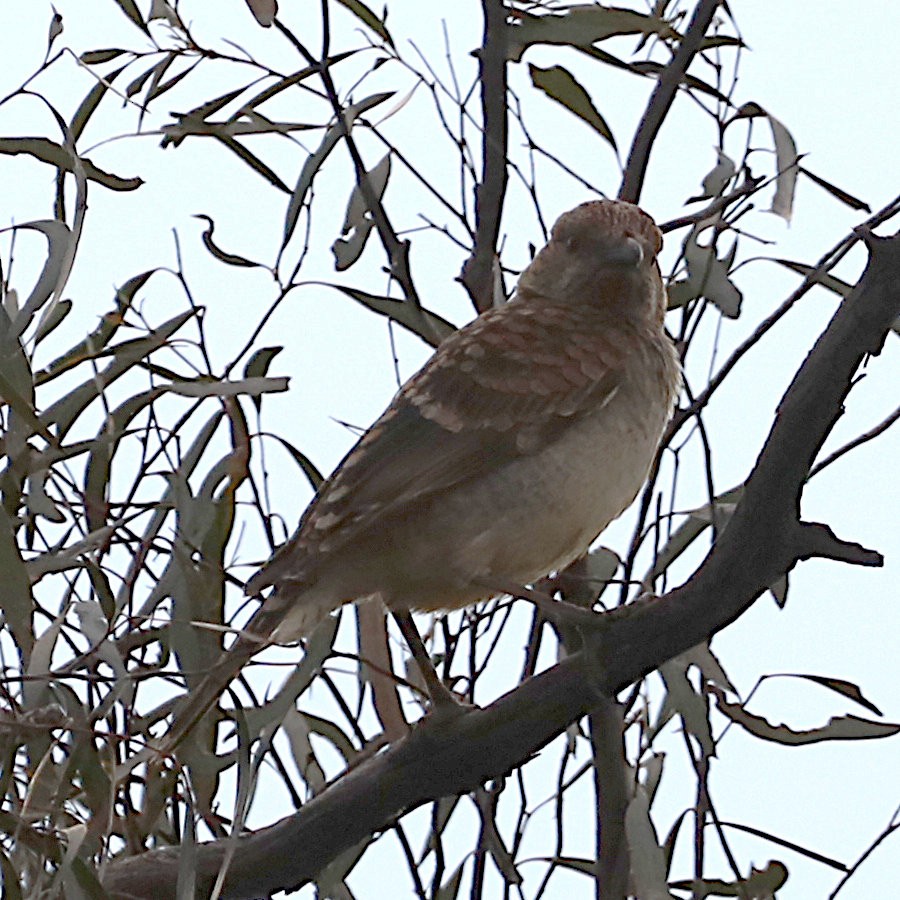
pixel 137 460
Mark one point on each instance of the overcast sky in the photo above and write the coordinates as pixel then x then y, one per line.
pixel 828 71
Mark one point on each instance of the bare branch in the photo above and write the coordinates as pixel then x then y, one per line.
pixel 661 100
pixel 478 274
pixel 762 541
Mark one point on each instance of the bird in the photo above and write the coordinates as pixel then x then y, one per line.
pixel 501 461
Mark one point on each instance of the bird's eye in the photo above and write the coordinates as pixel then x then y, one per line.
pixel 572 244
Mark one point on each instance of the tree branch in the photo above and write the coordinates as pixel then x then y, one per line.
pixel 479 270
pixel 763 540
pixel 661 100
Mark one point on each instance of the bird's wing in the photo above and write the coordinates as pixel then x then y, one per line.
pixel 502 387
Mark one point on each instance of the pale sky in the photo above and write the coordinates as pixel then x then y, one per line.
pixel 827 71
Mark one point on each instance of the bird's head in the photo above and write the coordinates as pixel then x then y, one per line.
pixel 601 253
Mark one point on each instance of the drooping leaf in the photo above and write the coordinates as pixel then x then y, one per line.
pixel 787 163
pixel 288 81
pixel 258 365
pixel 52 316
pixel 716 180
pixel 708 277
pixel 683 700
pixel 697 521
pixel 59 241
pixel 88 106
pixel 315 160
pixel 253 161
pixel 358 222
pixel 230 259
pixel 787 159
pixel 648 861
pixel 318 649
pixel 649 67
pixel 125 356
pixel 305 464
pixel 188 462
pixel 559 84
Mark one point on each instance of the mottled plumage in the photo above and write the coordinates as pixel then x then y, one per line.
pixel 526 433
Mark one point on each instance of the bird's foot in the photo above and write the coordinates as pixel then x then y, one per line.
pixel 444 705
pixel 557 611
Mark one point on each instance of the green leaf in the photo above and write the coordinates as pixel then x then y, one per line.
pixel 787 166
pixel 96 342
pixel 697 521
pixel 130 8
pixel 50 318
pixel 162 508
pixel 126 355
pixel 357 221
pixel 15 598
pixel 314 476
pixel 11 886
pixel 59 242
pixel 94 57
pixel 17 390
pixel 580 26
pixel 655 69
pixel 229 259
pixel 559 84
pixel 427 325
pixel 253 161
pixel 835 191
pixel 839 685
pixel 841 288
pixel 708 277
pixel 315 160
pixel 56 155
pixel 90 103
pixel 318 648
pixel 289 81
pixel 258 365
pixel 786 159
pixel 368 18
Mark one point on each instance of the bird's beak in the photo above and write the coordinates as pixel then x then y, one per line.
pixel 625 253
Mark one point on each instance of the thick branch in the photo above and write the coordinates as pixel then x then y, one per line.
pixel 763 540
